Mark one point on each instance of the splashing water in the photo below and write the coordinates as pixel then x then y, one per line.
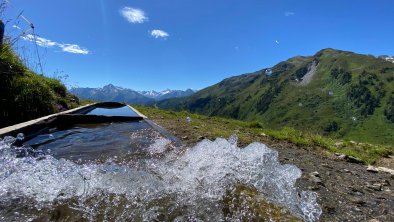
pixel 188 185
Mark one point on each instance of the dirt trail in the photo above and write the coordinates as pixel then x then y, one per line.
pixel 347 191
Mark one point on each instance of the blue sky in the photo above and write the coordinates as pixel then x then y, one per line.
pixel 179 44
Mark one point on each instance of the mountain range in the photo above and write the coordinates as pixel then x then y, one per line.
pixel 120 94
pixel 337 93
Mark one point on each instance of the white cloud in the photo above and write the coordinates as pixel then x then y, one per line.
pixel 40 41
pixel 133 15
pixel 16 27
pixel 46 43
pixel 277 42
pixel 73 48
pixel 156 33
pixel 289 14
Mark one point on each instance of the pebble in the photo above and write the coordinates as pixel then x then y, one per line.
pixel 357 200
pixel 200 137
pixel 195 127
pixel 185 137
pixel 375 186
pixel 326 165
pixel 315 178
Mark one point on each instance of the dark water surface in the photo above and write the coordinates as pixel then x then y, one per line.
pixel 96 142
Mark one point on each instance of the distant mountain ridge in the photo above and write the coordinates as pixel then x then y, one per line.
pixel 119 94
pixel 334 92
pixel 167 94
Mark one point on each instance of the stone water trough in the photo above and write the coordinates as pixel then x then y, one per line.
pixel 91 132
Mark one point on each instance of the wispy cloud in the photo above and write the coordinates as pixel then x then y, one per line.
pixel 289 14
pixel 156 33
pixel 133 15
pixel 16 27
pixel 40 41
pixel 277 42
pixel 73 48
pixel 46 43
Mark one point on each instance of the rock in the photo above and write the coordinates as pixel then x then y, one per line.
pixel 314 188
pixel 263 134
pixel 315 173
pixel 385 170
pixel 341 156
pixel 352 159
pixel 338 144
pixel 357 200
pixel 200 138
pixel 195 127
pixel 185 137
pixel 375 186
pixel 329 209
pixel 326 165
pixel 315 178
pixel 161 117
pixel 372 169
pixel 374 220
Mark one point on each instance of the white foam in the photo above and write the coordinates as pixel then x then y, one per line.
pixel 195 180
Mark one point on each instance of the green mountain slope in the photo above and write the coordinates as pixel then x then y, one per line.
pixel 334 92
pixel 25 95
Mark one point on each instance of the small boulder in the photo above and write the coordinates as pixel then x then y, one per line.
pixel 372 169
pixel 385 170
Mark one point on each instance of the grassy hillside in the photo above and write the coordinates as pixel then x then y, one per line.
pixel 349 96
pixel 25 95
